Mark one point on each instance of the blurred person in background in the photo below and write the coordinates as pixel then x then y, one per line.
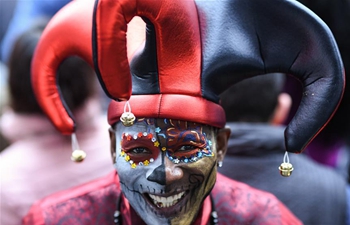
pixel 6 11
pixel 37 162
pixel 25 14
pixel 255 111
pixel 3 99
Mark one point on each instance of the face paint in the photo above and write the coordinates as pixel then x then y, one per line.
pixel 139 149
pixel 185 142
pixel 181 144
pixel 166 168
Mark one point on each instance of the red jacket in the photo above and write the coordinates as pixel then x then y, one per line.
pixel 95 203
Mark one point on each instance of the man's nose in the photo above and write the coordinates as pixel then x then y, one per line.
pixel 158 175
pixel 167 173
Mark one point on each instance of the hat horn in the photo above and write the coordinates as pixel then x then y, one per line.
pixel 248 38
pixel 109 43
pixel 67 34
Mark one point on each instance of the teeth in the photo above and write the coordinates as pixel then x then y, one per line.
pixel 163 202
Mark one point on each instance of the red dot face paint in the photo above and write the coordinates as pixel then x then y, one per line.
pixel 139 148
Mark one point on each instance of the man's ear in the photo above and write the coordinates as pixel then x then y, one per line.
pixel 113 143
pixel 284 103
pixel 221 142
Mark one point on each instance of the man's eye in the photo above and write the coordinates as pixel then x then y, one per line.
pixel 140 151
pixel 187 148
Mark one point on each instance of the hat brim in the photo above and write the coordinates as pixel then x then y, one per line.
pixel 170 106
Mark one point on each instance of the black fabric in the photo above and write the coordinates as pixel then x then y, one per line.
pixel 243 38
pixel 144 67
pixel 314 193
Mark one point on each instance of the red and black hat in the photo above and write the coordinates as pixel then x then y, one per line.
pixel 194 50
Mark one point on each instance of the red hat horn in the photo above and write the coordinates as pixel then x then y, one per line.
pixel 67 34
pixel 109 44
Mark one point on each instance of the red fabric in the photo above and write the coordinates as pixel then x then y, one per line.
pixel 238 203
pixel 178 51
pixel 180 107
pixel 97 199
pixel 74 21
pixel 95 203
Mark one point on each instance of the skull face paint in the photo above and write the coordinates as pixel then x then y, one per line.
pixel 166 168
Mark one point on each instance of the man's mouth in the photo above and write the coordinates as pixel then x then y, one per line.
pixel 165 202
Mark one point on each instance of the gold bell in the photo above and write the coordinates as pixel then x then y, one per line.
pixel 127 119
pixel 286 169
pixel 78 155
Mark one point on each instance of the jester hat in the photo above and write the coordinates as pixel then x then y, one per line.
pixel 193 51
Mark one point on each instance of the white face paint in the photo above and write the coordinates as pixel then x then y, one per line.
pixel 163 172
pixel 134 181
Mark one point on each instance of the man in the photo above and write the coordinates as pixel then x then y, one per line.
pixel 255 111
pixel 34 165
pixel 169 137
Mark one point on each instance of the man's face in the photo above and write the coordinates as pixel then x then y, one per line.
pixel 166 168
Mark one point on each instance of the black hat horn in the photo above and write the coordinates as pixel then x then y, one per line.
pixel 242 39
